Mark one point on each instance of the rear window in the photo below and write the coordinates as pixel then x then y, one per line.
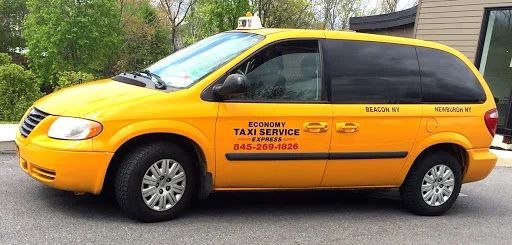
pixel 372 72
pixel 446 79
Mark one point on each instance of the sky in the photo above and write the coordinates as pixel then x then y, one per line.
pixel 403 4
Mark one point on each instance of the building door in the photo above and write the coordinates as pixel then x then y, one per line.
pixel 496 63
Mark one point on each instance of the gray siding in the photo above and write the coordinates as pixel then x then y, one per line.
pixel 455 23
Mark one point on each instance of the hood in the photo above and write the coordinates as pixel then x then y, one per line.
pixel 79 100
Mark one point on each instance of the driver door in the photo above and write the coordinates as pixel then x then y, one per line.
pixel 277 134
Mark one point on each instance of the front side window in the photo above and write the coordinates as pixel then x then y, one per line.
pixel 372 72
pixel 189 65
pixel 286 71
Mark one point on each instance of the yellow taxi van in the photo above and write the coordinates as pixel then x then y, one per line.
pixel 270 109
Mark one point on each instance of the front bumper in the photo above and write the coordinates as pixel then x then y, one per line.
pixel 479 165
pixel 65 170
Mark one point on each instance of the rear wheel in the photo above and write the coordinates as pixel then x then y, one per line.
pixel 156 182
pixel 432 185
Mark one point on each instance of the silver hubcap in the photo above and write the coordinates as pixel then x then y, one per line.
pixel 437 185
pixel 163 185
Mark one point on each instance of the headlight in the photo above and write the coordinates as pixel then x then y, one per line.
pixel 70 128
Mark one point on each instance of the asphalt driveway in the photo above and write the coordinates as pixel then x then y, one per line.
pixel 33 213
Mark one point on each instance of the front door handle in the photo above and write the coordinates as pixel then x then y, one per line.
pixel 347 127
pixel 315 127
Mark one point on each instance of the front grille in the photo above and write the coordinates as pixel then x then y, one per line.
pixel 30 122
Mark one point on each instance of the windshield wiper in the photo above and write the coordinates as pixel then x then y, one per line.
pixel 159 83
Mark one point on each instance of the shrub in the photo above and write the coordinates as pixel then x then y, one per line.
pixel 18 91
pixel 5 59
pixel 70 78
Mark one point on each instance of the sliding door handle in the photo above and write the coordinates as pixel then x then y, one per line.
pixel 315 127
pixel 347 127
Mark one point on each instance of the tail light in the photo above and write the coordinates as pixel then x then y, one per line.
pixel 491 120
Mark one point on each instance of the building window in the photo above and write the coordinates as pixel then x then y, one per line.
pixel 496 61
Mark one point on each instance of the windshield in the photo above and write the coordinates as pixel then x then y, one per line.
pixel 187 66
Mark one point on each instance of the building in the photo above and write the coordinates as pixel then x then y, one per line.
pixel 399 23
pixel 481 29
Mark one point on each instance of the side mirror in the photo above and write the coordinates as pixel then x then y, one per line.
pixel 233 85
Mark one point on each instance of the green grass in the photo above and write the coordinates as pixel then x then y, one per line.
pixel 6 122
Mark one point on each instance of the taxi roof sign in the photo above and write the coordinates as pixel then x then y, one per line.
pixel 249 22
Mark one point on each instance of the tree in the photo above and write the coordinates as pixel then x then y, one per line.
pixel 208 17
pixel 70 78
pixel 176 11
pixel 284 13
pixel 145 36
pixel 193 28
pixel 335 14
pixel 329 11
pixel 347 9
pixel 72 35
pixel 389 6
pixel 12 13
pixel 5 59
pixel 18 91
pixel 223 15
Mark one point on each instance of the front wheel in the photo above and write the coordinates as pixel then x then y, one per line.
pixel 432 185
pixel 155 182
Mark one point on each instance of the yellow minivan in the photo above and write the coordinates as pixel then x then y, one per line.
pixel 270 109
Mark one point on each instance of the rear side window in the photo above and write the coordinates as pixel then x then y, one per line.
pixel 371 72
pixel 446 79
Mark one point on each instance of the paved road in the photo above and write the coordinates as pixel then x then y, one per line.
pixel 33 213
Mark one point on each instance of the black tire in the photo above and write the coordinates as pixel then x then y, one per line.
pixel 127 184
pixel 410 191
